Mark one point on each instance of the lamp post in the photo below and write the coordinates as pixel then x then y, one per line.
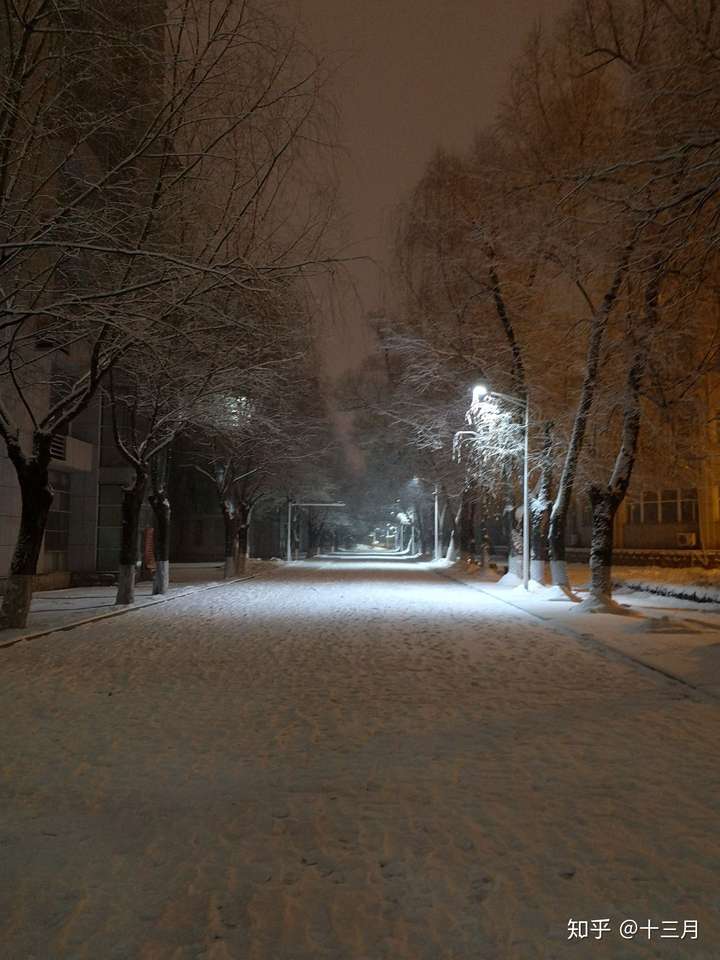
pixel 481 394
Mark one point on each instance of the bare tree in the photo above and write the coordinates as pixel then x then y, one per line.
pixel 142 155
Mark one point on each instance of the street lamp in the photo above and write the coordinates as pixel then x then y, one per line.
pixel 481 394
pixel 436 550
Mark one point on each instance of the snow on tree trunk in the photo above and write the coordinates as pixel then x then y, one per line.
pixel 36 496
pixel 132 501
pixel 161 512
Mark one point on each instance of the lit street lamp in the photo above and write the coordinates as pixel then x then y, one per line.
pixel 481 394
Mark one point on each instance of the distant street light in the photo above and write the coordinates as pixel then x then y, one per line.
pixel 480 395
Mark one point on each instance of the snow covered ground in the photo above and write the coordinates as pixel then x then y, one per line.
pixel 684 582
pixel 356 761
pixel 60 609
pixel 677 636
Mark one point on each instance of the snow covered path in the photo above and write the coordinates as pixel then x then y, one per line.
pixel 357 761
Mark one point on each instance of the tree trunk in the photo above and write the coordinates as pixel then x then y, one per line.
pixel 313 542
pixel 243 523
pixel 508 523
pixel 441 527
pixel 556 539
pixel 231 536
pixel 419 531
pixel 558 516
pixel 37 497
pixel 604 508
pixel 453 552
pixel 540 507
pixel 161 512
pixel 467 524
pixel 132 501
pixel 248 544
pixel 606 500
pixel 515 553
pixel 424 530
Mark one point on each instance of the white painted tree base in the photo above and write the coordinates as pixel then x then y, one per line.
pixel 509 580
pixel 560 592
pixel 559 574
pixel 593 604
pixel 161 580
pixel 126 584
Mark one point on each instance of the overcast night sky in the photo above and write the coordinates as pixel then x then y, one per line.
pixel 416 74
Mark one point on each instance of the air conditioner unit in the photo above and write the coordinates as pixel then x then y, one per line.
pixel 685 539
pixel 58 448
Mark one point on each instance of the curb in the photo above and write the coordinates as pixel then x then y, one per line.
pixel 661 591
pixel 589 638
pixel 118 613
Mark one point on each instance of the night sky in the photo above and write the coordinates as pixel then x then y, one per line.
pixel 414 75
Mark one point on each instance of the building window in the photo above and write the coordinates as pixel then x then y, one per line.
pixel 689 506
pixel 57 531
pixel 650 506
pixel 586 513
pixel 668 506
pixel 664 507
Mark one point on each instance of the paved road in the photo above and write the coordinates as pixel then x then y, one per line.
pixel 349 761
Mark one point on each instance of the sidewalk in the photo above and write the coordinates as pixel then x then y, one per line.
pixel 53 610
pixel 679 638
